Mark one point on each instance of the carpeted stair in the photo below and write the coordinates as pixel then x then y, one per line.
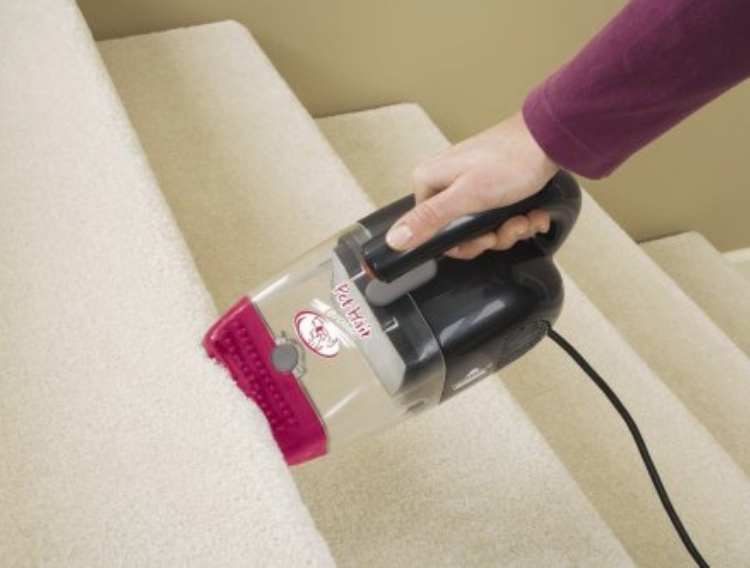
pixel 740 259
pixel 710 279
pixel 132 211
pixel 121 444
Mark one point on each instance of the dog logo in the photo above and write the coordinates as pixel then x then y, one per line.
pixel 317 333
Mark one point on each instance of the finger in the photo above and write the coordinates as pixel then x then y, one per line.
pixel 511 231
pixel 474 247
pixel 539 220
pixel 424 220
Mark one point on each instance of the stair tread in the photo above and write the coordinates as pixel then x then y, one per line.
pixel 233 149
pixel 740 259
pixel 709 279
pixel 685 348
pixel 617 483
pixel 252 182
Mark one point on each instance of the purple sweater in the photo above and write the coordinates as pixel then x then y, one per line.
pixel 654 64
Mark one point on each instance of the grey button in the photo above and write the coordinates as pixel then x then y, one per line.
pixel 284 357
pixel 379 293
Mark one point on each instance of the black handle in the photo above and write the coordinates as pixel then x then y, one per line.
pixel 561 197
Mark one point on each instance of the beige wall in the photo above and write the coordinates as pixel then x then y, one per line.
pixel 469 63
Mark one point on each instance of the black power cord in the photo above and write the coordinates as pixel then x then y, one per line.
pixel 642 448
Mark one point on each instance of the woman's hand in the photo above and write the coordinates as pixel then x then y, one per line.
pixel 495 168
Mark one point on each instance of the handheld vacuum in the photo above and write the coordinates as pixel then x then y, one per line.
pixel 355 336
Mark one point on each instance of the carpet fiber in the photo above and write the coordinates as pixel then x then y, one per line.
pixel 121 443
pixel 709 279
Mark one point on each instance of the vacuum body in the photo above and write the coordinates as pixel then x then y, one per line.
pixel 354 337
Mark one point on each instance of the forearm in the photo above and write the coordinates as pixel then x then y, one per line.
pixel 654 64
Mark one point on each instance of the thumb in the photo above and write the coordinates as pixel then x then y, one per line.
pixel 432 214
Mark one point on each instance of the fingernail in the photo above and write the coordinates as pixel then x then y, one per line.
pixel 398 237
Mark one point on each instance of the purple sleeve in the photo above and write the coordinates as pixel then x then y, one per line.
pixel 654 64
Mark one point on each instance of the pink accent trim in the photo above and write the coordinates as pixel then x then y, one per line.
pixel 242 343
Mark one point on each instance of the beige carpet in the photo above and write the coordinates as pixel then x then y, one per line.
pixel 705 275
pixel 674 337
pixel 235 154
pixel 740 259
pixel 123 445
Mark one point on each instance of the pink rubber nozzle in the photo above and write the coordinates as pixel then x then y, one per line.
pixel 242 343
